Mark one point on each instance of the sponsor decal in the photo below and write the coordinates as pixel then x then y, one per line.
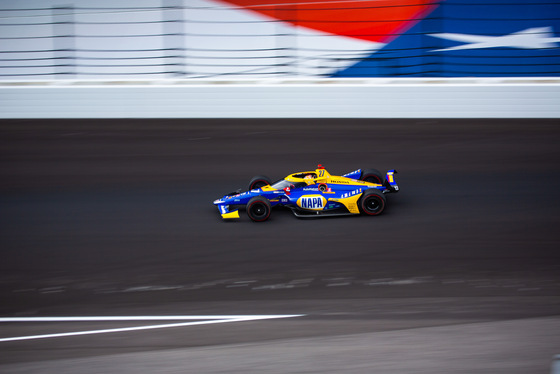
pixel 353 193
pixel 340 181
pixel 312 202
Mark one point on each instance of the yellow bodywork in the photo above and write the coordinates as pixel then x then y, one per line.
pixel 351 203
pixel 322 176
pixel 234 214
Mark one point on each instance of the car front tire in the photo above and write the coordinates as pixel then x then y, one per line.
pixel 258 209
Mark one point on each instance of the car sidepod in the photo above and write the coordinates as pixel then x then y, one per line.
pixel 313 202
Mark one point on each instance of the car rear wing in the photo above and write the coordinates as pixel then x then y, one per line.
pixel 390 182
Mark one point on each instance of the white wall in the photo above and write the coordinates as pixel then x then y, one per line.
pixel 396 98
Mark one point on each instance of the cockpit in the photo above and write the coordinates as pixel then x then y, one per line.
pixel 284 183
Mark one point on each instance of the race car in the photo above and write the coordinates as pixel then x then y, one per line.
pixel 312 194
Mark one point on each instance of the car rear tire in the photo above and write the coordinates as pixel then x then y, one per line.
pixel 258 182
pixel 372 176
pixel 372 202
pixel 258 209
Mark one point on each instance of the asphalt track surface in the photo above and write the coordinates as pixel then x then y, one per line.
pixel 115 218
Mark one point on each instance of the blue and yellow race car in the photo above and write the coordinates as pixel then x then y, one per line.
pixel 312 194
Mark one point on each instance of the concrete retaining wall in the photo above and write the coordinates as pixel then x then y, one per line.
pixel 396 98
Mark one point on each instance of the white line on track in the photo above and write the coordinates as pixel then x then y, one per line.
pixel 206 320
